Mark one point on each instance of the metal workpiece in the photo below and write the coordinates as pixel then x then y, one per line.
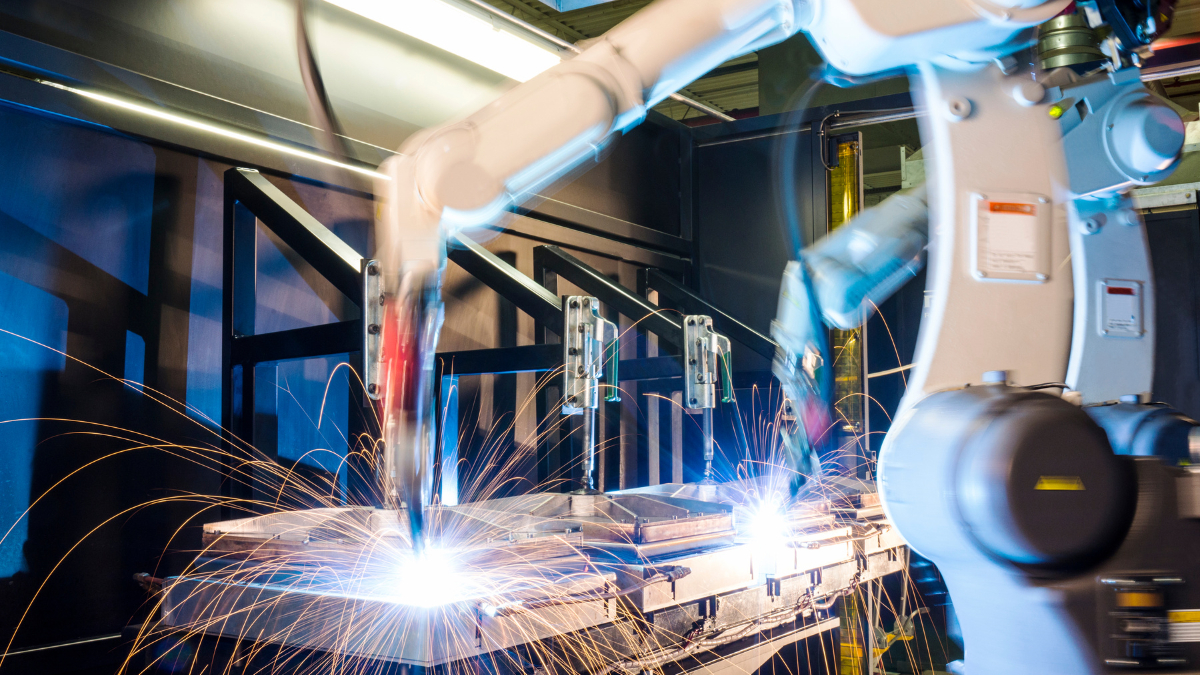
pixel 648 577
pixel 430 636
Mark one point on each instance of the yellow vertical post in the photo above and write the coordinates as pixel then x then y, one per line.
pixel 846 348
pixel 846 352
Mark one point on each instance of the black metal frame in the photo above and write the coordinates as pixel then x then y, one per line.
pixel 251 199
pixel 673 294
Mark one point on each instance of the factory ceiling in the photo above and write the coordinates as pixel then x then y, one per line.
pixel 733 87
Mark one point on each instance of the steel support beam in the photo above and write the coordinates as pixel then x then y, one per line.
pixel 528 295
pixel 647 316
pixel 331 257
pixel 673 294
pixel 298 343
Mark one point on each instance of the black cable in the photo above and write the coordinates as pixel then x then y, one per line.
pixel 314 87
pixel 823 138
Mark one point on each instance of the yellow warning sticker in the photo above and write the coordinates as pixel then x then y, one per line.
pixel 1184 616
pixel 1059 483
pixel 1183 625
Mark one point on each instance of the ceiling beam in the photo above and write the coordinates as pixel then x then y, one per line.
pixel 537 15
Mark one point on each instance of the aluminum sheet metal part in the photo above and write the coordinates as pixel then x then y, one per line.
pixel 575 575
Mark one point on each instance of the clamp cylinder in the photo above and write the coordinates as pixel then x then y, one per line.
pixel 585 334
pixel 705 361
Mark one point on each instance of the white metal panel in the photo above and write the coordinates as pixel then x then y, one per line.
pixel 1115 255
pixel 975 325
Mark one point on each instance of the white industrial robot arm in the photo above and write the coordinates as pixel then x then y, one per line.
pixel 468 173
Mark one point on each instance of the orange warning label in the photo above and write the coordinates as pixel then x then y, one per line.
pixel 1009 207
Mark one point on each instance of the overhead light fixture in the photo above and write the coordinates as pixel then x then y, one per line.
pixel 217 130
pixel 459 32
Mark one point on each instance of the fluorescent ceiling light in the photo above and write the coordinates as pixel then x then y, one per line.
pixel 459 32
pixel 199 125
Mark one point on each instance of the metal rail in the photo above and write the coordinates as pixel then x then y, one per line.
pixel 671 293
pixel 591 281
pixel 250 200
pixel 849 119
pixel 528 295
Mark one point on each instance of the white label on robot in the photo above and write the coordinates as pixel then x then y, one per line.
pixel 1008 238
pixel 1184 625
pixel 1011 238
pixel 1121 308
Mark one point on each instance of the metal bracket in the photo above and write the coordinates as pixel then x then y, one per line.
pixel 372 326
pixel 703 352
pixel 585 333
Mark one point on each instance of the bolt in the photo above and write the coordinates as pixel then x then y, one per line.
pixel 691 322
pixel 373 329
pixel 382 300
pixel 373 270
pixel 582 328
pixel 692 361
pixel 694 401
pixel 1028 93
pixel 372 388
pixel 700 377
pixel 572 400
pixel 572 351
pixel 982 274
pixel 581 371
pixel 587 302
pixel 1091 226
pixel 958 108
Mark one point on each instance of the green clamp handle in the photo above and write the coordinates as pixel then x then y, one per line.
pixel 726 369
pixel 612 355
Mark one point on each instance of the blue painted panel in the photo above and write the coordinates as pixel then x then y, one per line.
pixel 204 325
pixel 313 405
pixel 135 360
pixel 286 300
pixel 93 194
pixel 448 409
pixel 30 316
